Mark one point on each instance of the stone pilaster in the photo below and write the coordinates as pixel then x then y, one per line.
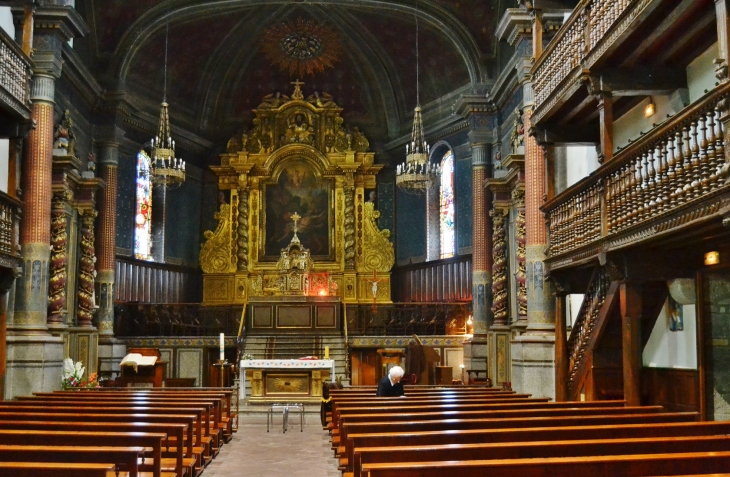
pixel 106 234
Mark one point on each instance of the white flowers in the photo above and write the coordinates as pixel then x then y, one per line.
pixel 72 373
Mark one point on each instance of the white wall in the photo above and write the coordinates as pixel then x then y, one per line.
pixel 6 21
pixel 673 349
pixel 633 122
pixel 701 74
pixel 574 303
pixel 581 161
pixel 4 155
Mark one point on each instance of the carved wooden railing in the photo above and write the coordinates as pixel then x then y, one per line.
pixel 583 329
pixel 176 319
pixel 581 33
pixel 677 164
pixel 444 280
pixel 10 209
pixel 15 71
pixel 151 282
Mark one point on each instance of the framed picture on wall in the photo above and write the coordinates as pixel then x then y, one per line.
pixel 676 320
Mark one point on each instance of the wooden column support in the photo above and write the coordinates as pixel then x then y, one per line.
pixel 562 359
pixel 723 40
pixel 605 112
pixel 630 299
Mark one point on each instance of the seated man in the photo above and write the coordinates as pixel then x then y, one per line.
pixel 390 385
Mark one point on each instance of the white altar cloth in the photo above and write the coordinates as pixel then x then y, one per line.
pixel 284 364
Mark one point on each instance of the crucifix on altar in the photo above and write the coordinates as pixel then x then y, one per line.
pixel 295 217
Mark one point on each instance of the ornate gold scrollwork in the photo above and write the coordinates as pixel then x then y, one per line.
pixel 215 253
pixel 378 254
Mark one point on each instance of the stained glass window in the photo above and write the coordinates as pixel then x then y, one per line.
pixel 143 214
pixel 446 207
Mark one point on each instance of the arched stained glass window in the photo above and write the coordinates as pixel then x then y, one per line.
pixel 446 207
pixel 143 213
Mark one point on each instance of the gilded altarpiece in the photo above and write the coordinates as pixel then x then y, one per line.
pixel 293 192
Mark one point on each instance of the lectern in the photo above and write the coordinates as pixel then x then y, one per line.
pixel 144 376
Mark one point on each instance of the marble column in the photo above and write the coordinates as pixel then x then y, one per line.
pixel 106 234
pixel 475 350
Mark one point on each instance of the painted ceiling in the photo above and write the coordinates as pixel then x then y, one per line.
pixel 217 70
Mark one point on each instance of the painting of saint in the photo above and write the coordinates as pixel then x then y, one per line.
pixel 298 191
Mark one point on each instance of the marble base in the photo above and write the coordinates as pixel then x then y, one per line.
pixel 533 365
pixel 34 363
pixel 111 352
pixel 475 353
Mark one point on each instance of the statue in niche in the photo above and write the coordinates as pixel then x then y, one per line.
pixel 517 139
pixel 64 137
pixel 299 130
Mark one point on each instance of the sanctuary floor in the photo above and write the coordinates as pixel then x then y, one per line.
pixel 256 453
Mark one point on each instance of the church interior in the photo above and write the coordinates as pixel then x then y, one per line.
pixel 258 202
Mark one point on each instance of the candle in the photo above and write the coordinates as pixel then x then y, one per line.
pixel 326 352
pixel 223 346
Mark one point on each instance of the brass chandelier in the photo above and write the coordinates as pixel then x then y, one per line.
pixel 416 175
pixel 167 169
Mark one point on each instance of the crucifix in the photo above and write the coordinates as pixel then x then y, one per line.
pixel 297 94
pixel 295 217
pixel 374 283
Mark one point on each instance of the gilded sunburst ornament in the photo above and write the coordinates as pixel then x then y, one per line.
pixel 301 47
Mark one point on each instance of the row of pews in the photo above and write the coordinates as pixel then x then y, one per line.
pixel 115 432
pixel 478 431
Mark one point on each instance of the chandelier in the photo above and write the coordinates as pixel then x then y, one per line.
pixel 167 170
pixel 417 174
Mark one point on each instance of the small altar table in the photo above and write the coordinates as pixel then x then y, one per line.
pixel 291 380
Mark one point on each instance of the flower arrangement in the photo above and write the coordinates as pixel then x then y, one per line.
pixel 72 376
pixel 247 356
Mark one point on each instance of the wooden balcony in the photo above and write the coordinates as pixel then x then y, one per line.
pixel 10 209
pixel 674 177
pixel 15 79
pixel 628 41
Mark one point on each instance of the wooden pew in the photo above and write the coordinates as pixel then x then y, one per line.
pixel 210 434
pixel 462 425
pixel 49 469
pixel 193 432
pixel 363 414
pixel 149 435
pixel 123 458
pixel 614 465
pixel 538 450
pixel 220 405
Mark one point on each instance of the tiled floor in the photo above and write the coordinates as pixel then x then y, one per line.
pixel 256 453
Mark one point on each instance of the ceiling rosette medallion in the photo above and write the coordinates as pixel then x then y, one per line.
pixel 301 47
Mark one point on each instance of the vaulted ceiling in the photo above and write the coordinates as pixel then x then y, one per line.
pixel 217 71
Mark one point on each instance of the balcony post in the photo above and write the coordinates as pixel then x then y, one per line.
pixel 630 299
pixel 562 358
pixel 605 112
pixel 723 40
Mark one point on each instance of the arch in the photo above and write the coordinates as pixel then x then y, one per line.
pixel 277 160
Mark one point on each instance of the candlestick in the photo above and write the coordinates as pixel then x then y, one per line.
pixel 223 346
pixel 326 352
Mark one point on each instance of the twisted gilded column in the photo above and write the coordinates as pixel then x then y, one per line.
pixel 518 201
pixel 540 303
pixel 242 229
pixel 59 260
pixel 499 271
pixel 106 235
pixel 87 261
pixel 349 227
pixel 31 303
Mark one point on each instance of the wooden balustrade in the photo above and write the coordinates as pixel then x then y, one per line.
pixel 581 33
pixel 585 322
pixel 15 70
pixel 150 282
pixel 408 319
pixel 447 280
pixel 677 164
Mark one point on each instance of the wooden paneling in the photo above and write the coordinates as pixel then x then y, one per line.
pixel 149 282
pixel 675 389
pixel 446 280
pixel 364 363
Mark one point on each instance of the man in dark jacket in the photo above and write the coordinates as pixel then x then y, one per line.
pixel 390 385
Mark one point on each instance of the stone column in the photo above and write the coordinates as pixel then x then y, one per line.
pixel 106 235
pixel 533 360
pixel 475 352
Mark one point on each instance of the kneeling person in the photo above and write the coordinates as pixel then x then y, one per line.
pixel 390 385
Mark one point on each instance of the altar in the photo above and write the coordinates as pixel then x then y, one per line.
pixel 286 380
